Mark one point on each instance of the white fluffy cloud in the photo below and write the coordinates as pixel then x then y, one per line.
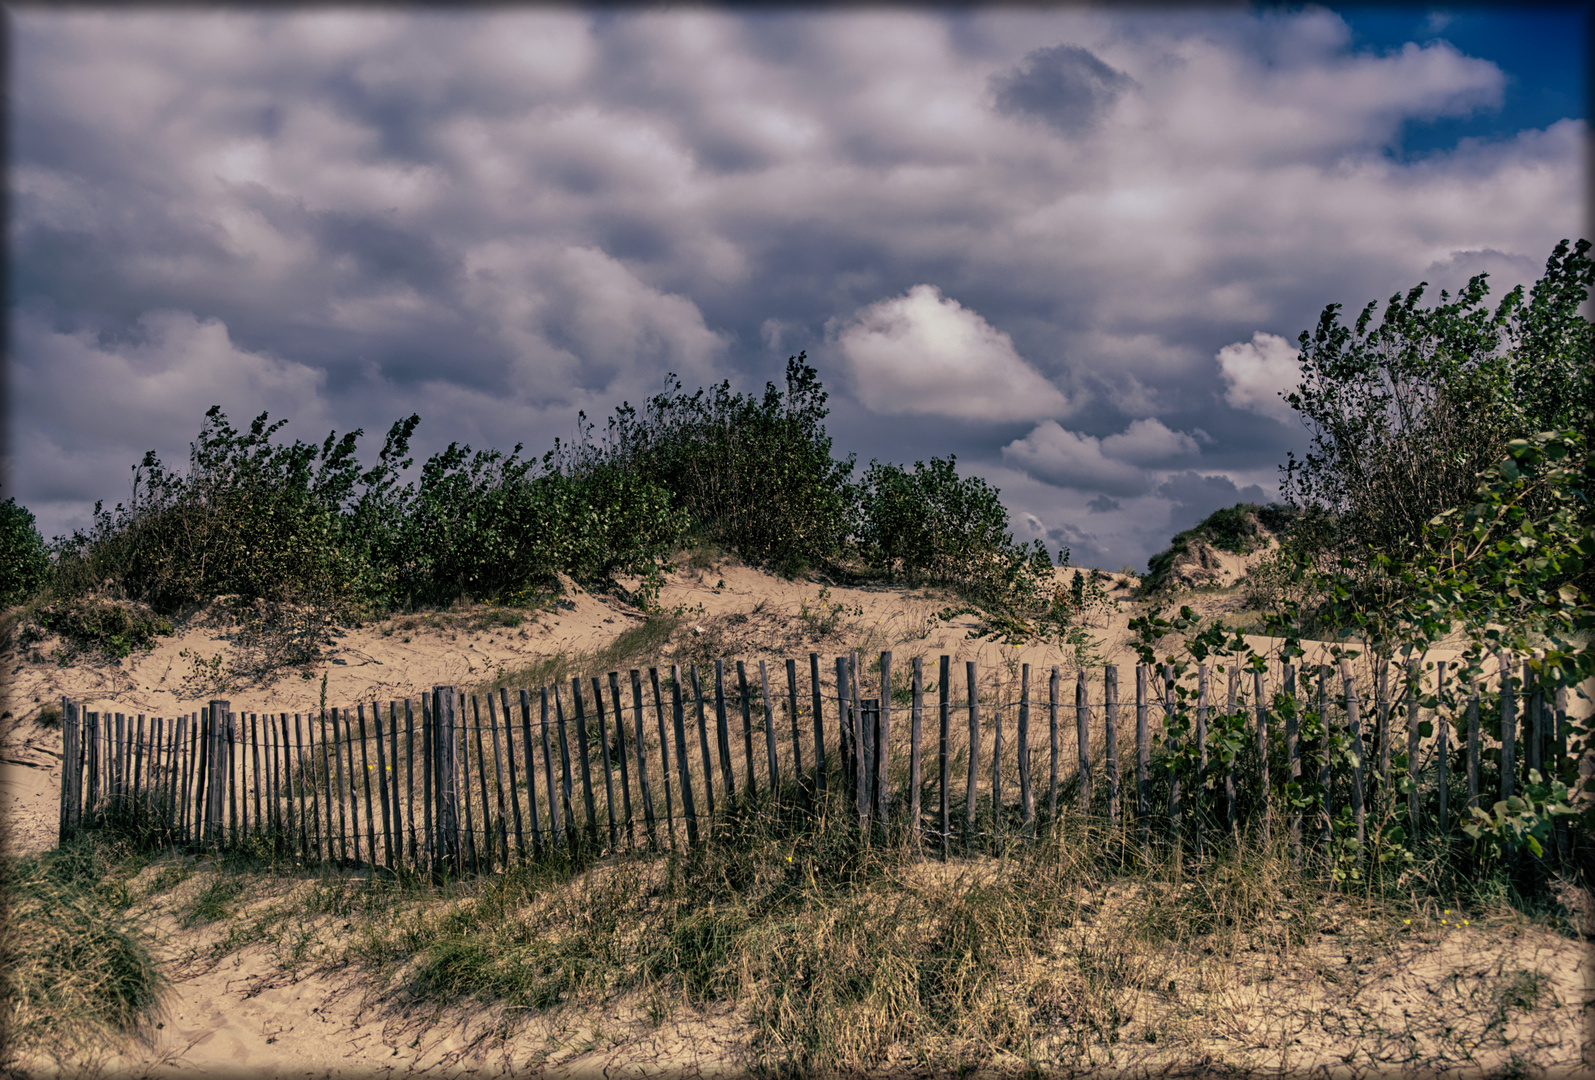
pixel 1056 455
pixel 923 353
pixel 1256 372
pixel 1149 442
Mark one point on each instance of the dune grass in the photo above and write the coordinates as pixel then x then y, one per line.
pixel 76 973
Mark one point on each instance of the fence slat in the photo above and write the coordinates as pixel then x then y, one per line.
pixel 407 825
pixel 1508 731
pixel 560 812
pixel 382 787
pixel 309 842
pixel 797 740
pixel 773 767
pixel 1027 796
pixel 1054 684
pixel 1143 759
pixel 514 771
pixel 1260 708
pixel 881 754
pixel 821 780
pixel 915 722
pixel 1412 747
pixel 1198 798
pixel 582 750
pixel 1325 810
pixel 744 699
pixel 688 806
pixel 498 783
pixel 603 747
pixel 723 736
pixel 703 744
pixel 430 848
pixel 944 717
pixel 847 713
pixel 1110 724
pixel 533 814
pixel 138 766
pixel 664 756
pixel 445 785
pixel 473 852
pixel 1231 705
pixel 997 829
pixel 365 777
pixel 1082 738
pixel 1293 758
pixel 644 788
pixel 620 750
pixel 974 755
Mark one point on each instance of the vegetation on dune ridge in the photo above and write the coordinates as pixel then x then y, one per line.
pixel 297 537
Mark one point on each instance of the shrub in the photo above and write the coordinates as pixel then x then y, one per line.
pixel 931 525
pixel 24 560
pixel 754 475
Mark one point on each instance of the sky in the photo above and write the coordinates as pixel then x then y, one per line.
pixel 1072 246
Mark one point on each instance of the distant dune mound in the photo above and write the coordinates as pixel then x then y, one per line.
pixel 1220 550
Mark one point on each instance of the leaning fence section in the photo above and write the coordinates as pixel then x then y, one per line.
pixel 954 758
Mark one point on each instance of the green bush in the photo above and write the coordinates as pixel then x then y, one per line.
pixel 931 525
pixel 110 628
pixel 24 560
pixel 754 475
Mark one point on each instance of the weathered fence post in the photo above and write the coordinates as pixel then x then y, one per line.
pixel 916 718
pixel 974 754
pixel 687 806
pixel 1053 704
pixel 821 780
pixel 604 758
pixel 773 766
pixel 620 751
pixel 446 782
pixel 1027 798
pixel 1143 759
pixel 664 756
pixel 1413 676
pixel 1110 729
pixel 944 710
pixel 644 787
pixel 1198 789
pixel 883 743
pixel 1082 738
pixel 70 804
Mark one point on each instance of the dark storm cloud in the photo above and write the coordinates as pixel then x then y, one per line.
pixel 1066 86
pixel 500 216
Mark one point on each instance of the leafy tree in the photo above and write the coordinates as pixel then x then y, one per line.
pixel 1406 412
pixel 24 560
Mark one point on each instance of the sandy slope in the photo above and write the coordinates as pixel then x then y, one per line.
pixel 250 1014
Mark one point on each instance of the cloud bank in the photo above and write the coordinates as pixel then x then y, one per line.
pixel 981 226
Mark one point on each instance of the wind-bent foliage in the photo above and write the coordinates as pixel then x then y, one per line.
pixel 753 474
pixel 1404 414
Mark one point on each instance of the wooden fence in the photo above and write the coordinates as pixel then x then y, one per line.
pixel 456 784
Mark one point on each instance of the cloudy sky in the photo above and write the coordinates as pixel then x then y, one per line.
pixel 1072 247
